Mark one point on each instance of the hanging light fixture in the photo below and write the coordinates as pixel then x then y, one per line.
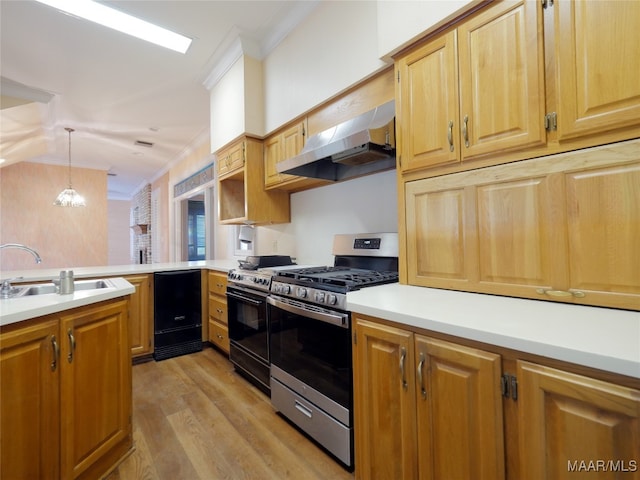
pixel 69 197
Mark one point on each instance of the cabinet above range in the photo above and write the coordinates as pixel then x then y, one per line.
pixel 242 198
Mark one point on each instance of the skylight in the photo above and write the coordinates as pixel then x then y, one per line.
pixel 109 17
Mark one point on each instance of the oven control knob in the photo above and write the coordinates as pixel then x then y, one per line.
pixel 319 297
pixel 332 300
pixel 301 292
pixel 286 289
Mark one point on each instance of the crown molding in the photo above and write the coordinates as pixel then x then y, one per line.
pixel 237 44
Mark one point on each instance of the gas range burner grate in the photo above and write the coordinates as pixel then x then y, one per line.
pixel 346 277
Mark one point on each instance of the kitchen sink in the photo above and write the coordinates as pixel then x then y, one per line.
pixel 45 288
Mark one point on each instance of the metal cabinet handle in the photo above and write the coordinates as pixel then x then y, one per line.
pixel 72 345
pixel 450 135
pixel 465 130
pixel 403 357
pixel 560 293
pixel 56 353
pixel 423 391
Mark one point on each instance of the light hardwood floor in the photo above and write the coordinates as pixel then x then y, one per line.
pixel 195 418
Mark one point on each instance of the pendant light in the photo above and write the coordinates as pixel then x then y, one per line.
pixel 69 197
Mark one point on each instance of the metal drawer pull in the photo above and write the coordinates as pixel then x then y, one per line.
pixel 450 135
pixel 403 357
pixel 423 391
pixel 56 353
pixel 560 293
pixel 304 410
pixel 72 345
pixel 465 130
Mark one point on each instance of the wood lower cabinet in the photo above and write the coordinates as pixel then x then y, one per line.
pixel 218 326
pixel 30 400
pixel 425 408
pixel 141 315
pixel 560 228
pixel 95 388
pixel 572 426
pixel 66 393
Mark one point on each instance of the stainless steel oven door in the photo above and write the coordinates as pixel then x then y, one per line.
pixel 313 345
pixel 248 334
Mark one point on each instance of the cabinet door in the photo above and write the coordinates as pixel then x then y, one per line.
pixel 427 119
pixel 603 221
pixel 95 386
pixel 140 320
pixel 460 432
pixel 597 66
pixel 29 401
pixel 440 253
pixel 384 402
pixel 231 159
pixel 502 96
pixel 568 422
pixel 272 155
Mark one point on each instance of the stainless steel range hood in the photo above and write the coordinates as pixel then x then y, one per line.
pixel 360 146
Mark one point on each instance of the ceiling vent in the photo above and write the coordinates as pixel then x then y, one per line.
pixel 142 143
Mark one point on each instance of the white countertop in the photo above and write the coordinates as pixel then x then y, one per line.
pixel 14 310
pixel 17 309
pixel 37 274
pixel 602 338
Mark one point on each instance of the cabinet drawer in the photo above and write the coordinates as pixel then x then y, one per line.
pixel 218 283
pixel 218 308
pixel 219 335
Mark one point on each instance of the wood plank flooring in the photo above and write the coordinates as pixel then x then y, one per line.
pixel 195 418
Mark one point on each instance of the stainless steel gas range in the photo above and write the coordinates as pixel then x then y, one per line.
pixel 247 290
pixel 310 337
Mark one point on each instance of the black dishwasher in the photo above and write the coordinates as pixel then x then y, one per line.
pixel 177 313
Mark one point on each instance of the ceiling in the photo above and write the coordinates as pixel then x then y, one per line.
pixel 61 71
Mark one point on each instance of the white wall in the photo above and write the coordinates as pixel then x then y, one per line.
pixel 119 232
pixel 331 50
pixel 401 22
pixel 362 205
pixel 227 105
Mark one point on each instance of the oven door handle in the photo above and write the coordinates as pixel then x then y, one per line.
pixel 338 319
pixel 242 298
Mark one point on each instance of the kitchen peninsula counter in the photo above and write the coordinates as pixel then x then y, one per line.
pixel 602 338
pixel 23 308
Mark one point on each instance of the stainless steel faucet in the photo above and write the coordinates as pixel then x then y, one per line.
pixel 6 290
pixel 23 247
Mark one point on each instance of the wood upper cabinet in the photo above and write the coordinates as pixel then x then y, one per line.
pixel 597 50
pixel 231 159
pixel 218 324
pixel 425 408
pixel 562 228
pixel 474 91
pixel 95 387
pixel 242 198
pixel 29 400
pixel 279 147
pixel 568 421
pixel 428 107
